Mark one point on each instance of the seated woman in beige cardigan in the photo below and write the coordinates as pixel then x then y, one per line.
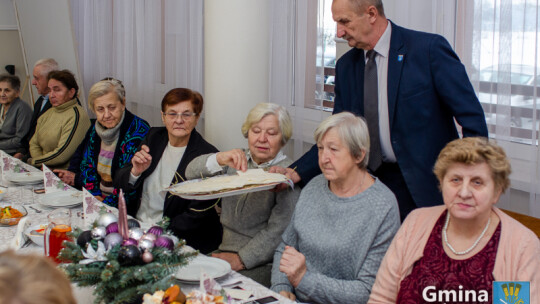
pixel 462 247
pixel 60 130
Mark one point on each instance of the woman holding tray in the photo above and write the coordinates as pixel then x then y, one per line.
pixel 253 222
pixel 161 161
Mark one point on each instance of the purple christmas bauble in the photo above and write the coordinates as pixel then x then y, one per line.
pixel 155 230
pixel 136 233
pixel 133 223
pixel 164 242
pixel 147 257
pixel 112 228
pixel 112 239
pixel 149 236
pixel 172 237
pixel 129 242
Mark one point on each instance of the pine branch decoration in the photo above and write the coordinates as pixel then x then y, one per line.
pixel 118 284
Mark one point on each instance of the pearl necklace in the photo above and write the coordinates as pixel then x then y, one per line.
pixel 473 245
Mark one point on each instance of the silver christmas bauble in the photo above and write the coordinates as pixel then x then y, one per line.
pixel 136 233
pixel 146 244
pixel 112 239
pixel 149 236
pixel 106 219
pixel 99 233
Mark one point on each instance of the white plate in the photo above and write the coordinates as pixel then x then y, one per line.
pixel 226 192
pixel 37 238
pixel 25 178
pixel 214 267
pixel 62 199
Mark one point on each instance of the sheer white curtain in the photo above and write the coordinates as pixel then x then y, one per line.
pixel 151 46
pixel 501 38
pixel 292 64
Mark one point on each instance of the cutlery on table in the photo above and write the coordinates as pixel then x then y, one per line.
pixel 35 209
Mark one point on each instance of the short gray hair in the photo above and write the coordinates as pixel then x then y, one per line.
pixel 263 109
pixel 48 65
pixel 104 87
pixel 353 132
pixel 361 4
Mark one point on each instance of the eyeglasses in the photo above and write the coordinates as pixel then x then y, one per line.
pixel 185 115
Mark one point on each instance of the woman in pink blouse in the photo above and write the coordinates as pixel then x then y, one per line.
pixel 453 253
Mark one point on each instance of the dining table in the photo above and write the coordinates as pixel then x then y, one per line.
pixel 26 196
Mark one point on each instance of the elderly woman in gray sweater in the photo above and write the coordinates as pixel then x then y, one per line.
pixel 253 222
pixel 15 114
pixel 343 223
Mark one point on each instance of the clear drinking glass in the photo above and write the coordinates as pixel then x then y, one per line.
pixel 56 232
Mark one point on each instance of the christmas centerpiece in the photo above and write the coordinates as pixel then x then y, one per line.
pixel 121 260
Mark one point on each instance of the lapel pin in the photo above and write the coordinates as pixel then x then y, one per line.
pixel 400 58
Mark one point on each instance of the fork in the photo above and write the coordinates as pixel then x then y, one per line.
pixel 35 209
pixel 27 243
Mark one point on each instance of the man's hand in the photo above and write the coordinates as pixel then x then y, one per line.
pixel 232 258
pixel 288 172
pixel 235 158
pixel 66 176
pixel 18 155
pixel 141 161
pixel 293 265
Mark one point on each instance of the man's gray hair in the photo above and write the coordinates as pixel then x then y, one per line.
pixel 48 65
pixel 359 5
pixel 353 132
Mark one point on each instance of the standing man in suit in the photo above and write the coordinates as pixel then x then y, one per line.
pixel 42 68
pixel 422 88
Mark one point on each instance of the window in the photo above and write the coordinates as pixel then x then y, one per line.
pixel 504 66
pixel 326 56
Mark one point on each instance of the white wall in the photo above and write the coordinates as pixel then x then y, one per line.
pixel 46 31
pixel 7 15
pixel 10 46
pixel 236 71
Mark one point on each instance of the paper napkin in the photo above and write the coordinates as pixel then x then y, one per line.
pixel 93 208
pixel 53 183
pixel 11 164
pixel 19 238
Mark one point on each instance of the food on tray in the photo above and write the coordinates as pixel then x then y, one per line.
pixel 197 297
pixel 173 295
pixel 11 216
pixel 252 177
pixel 40 231
pixel 9 213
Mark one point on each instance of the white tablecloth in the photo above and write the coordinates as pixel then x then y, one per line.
pixel 25 196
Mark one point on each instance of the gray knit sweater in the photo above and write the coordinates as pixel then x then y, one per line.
pixel 343 240
pixel 252 222
pixel 16 125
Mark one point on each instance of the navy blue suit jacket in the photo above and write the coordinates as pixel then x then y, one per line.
pixel 427 88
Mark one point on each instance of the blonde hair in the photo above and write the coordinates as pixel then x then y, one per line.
pixel 352 130
pixel 472 151
pixel 104 87
pixel 263 109
pixel 32 279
